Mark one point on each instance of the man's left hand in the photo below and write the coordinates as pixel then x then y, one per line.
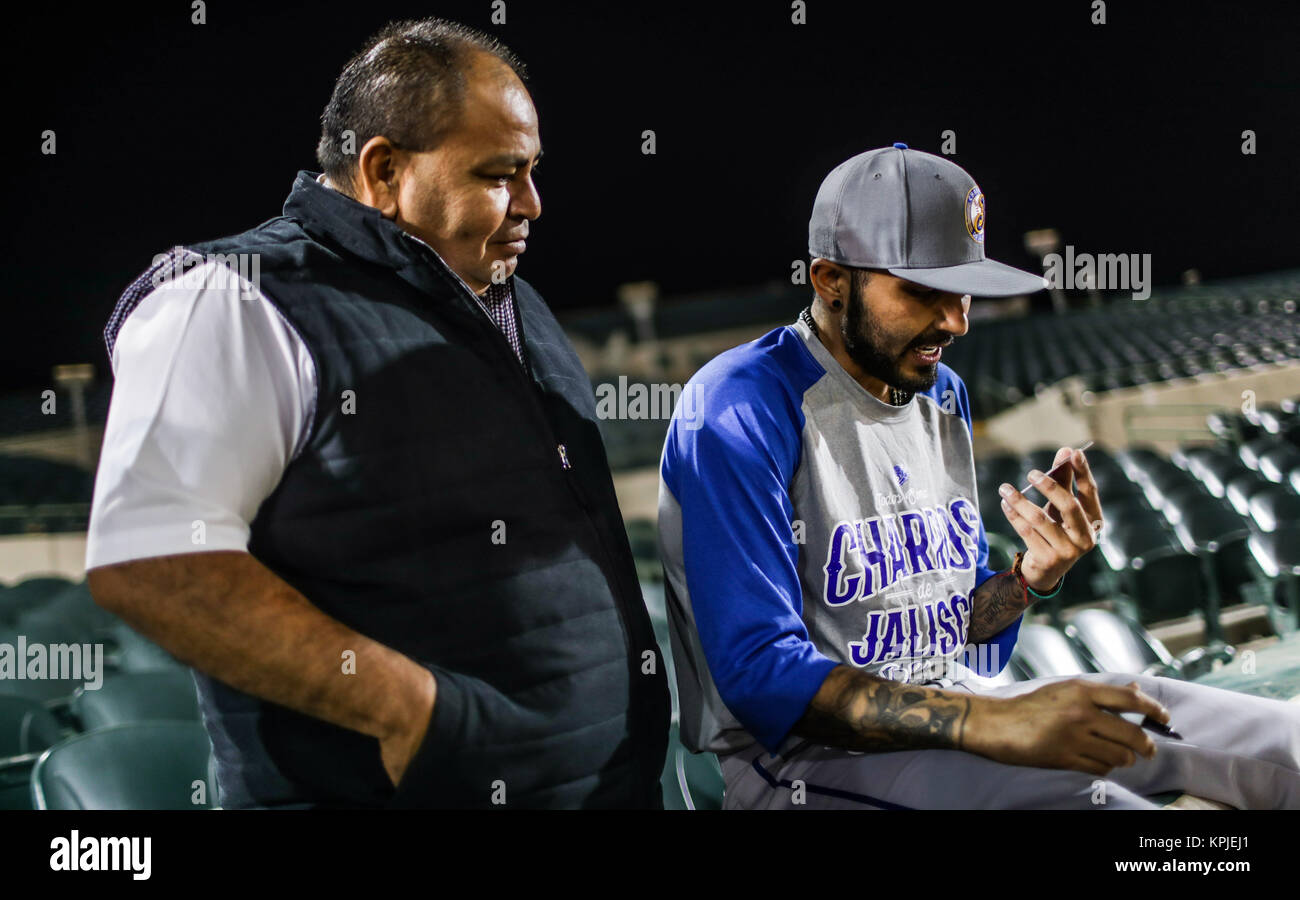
pixel 1052 548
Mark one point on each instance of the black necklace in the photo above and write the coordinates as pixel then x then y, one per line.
pixel 899 398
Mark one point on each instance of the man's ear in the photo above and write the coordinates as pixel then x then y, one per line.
pixel 830 280
pixel 376 177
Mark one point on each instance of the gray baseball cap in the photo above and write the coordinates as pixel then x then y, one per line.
pixel 916 215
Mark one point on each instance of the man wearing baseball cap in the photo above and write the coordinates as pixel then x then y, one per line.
pixel 830 604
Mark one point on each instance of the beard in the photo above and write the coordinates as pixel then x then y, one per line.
pixel 868 345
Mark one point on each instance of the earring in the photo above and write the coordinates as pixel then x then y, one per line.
pixel 837 305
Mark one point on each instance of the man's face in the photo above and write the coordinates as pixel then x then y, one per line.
pixel 888 318
pixel 472 198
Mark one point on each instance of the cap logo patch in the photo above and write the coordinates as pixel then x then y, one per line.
pixel 975 214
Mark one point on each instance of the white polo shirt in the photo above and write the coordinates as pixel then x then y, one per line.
pixel 214 396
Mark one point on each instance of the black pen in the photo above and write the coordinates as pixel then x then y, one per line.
pixel 1152 725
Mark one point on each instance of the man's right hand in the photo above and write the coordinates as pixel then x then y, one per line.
pixel 397 749
pixel 228 615
pixel 1066 725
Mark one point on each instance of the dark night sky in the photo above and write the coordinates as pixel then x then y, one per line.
pixel 1125 136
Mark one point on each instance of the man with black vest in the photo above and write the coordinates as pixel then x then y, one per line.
pixel 352 474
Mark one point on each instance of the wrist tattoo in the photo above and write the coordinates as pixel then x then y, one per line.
pixel 996 604
pixel 859 711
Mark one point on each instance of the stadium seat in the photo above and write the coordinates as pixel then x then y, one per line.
pixel 1129 540
pixel 1207 521
pixel 30 594
pixel 1147 561
pixel 138 697
pixel 1274 507
pixel 690 780
pixel 1277 463
pixel 50 691
pixel 1198 458
pixel 146 765
pixel 1276 557
pixel 1242 488
pixel 1140 461
pixel 75 604
pixel 25 726
pixel 56 626
pixel 1171 484
pixel 1002 550
pixel 136 653
pixel 1271 418
pixel 26 729
pixel 1111 643
pixel 1252 452
pixel 1212 530
pixel 1215 468
pixel 1123 504
pixel 1044 652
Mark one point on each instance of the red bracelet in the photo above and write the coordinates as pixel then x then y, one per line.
pixel 1024 585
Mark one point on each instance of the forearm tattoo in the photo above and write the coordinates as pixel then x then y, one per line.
pixel 859 711
pixel 996 604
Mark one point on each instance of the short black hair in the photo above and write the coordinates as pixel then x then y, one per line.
pixel 405 84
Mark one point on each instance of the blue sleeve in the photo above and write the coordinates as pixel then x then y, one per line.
pixel 994 660
pixel 729 470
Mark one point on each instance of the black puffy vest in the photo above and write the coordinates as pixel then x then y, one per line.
pixel 458 509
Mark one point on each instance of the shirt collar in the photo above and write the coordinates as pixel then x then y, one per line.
pixel 358 228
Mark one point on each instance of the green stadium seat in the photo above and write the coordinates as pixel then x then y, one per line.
pixel 1231 427
pixel 1111 643
pixel 75 604
pixel 146 765
pixel 690 780
pixel 1276 558
pixel 1277 463
pixel 1199 458
pixel 26 729
pixel 138 697
pixel 1002 550
pixel 136 653
pixel 1123 506
pixel 51 692
pixel 1253 450
pixel 56 626
pixel 1044 652
pixel 1243 487
pixel 1128 542
pixel 1274 507
pixel 30 594
pixel 1215 468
